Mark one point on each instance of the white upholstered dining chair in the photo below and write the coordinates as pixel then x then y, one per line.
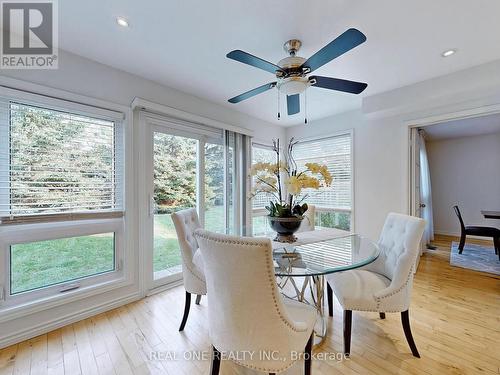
pixel 308 223
pixel 186 222
pixel 386 284
pixel 246 311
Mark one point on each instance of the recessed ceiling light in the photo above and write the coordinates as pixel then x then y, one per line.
pixel 449 52
pixel 122 21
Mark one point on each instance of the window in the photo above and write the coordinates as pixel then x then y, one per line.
pixel 58 163
pixel 40 264
pixel 261 154
pixel 61 196
pixel 334 203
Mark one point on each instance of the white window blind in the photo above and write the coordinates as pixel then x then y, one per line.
pixel 56 163
pixel 335 152
pixel 262 154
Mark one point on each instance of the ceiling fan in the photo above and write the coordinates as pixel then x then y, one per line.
pixel 292 72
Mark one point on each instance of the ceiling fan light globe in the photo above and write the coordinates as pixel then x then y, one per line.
pixel 293 85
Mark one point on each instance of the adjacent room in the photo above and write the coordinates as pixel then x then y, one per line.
pixel 265 187
pixel 463 186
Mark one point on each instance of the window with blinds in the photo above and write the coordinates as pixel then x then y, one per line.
pixel 262 154
pixel 57 165
pixel 335 152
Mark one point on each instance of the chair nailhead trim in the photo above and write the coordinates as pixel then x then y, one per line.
pixel 269 270
pixel 379 299
pixel 263 369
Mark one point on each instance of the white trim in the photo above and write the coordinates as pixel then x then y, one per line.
pixel 61 321
pixel 453 234
pixel 146 105
pixel 54 97
pixel 42 298
pixel 165 287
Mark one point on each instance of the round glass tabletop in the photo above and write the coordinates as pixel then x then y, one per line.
pixel 324 256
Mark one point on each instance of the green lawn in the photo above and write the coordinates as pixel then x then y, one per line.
pixel 166 248
pixel 39 264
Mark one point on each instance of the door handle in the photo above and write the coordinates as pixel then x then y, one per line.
pixel 152 206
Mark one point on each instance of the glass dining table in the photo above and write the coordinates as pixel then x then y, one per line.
pixel 301 267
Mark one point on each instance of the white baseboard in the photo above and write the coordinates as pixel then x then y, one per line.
pixel 45 327
pixel 445 233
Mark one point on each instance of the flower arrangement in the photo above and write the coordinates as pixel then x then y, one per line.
pixel 285 183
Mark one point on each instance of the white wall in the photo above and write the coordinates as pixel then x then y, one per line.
pixel 381 135
pixel 466 172
pixel 86 77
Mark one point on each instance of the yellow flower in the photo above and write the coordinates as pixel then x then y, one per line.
pixel 322 170
pixel 309 182
pixel 313 167
pixel 293 185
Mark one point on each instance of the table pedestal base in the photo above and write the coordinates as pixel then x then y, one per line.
pixel 312 292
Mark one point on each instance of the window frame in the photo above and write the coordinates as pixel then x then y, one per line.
pixel 28 233
pixel 24 303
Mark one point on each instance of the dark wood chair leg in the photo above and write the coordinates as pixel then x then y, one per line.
pixel 329 294
pixel 214 369
pixel 405 319
pixel 382 315
pixel 462 243
pixel 198 299
pixel 187 306
pixel 308 355
pixel 347 332
pixel 498 247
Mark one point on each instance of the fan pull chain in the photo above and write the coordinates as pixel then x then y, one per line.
pixel 279 115
pixel 305 107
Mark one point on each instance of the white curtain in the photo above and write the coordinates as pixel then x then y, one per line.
pixel 425 190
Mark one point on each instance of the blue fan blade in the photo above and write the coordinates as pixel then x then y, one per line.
pixel 253 92
pixel 339 84
pixel 293 104
pixel 345 42
pixel 252 60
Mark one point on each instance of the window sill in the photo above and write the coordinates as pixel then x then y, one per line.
pixel 8 313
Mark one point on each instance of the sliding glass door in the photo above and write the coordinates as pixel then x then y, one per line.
pixel 175 171
pixel 187 166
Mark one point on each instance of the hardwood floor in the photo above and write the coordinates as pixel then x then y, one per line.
pixel 455 318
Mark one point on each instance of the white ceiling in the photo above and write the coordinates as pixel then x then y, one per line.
pixel 483 125
pixel 183 43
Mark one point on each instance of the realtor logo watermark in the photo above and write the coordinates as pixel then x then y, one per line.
pixel 29 34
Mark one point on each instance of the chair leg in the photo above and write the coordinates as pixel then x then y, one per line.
pixel 214 369
pixel 405 319
pixel 497 246
pixel 308 355
pixel 347 331
pixel 329 293
pixel 198 299
pixel 382 315
pixel 462 243
pixel 187 306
